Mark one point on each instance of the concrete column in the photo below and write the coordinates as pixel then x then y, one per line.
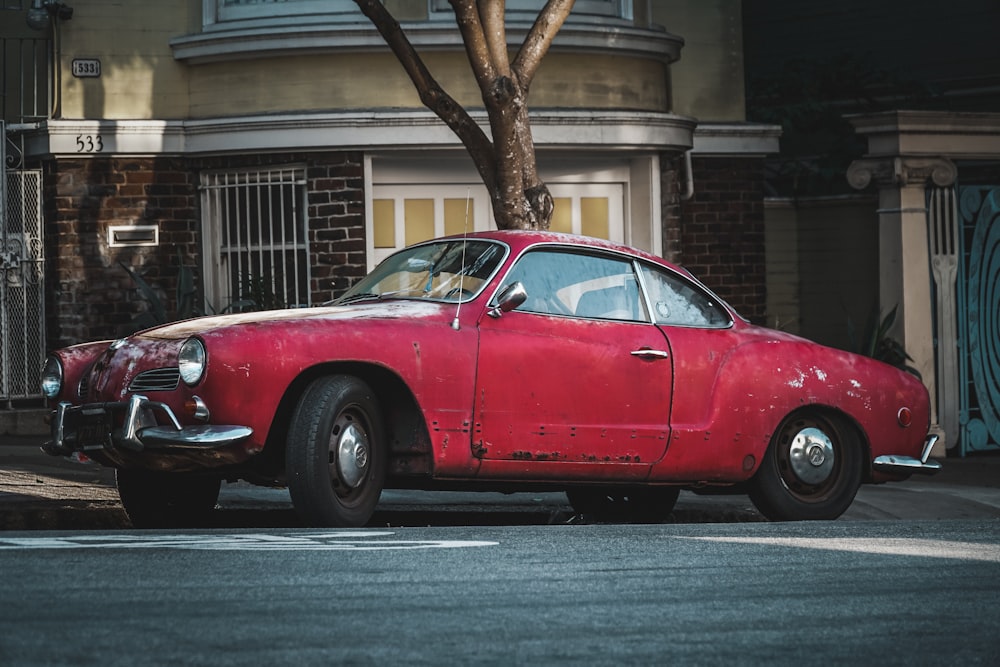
pixel 904 266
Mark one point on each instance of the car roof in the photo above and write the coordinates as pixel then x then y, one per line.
pixel 520 239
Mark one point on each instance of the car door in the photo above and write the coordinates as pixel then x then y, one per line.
pixel 577 373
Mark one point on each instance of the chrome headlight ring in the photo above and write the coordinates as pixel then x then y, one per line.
pixel 52 377
pixel 192 361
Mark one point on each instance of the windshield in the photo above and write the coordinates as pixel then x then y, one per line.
pixel 452 271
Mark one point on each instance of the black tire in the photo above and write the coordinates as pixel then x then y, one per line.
pixel 167 500
pixel 633 504
pixel 336 454
pixel 811 471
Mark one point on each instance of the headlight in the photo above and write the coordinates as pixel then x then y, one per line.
pixel 52 377
pixel 191 361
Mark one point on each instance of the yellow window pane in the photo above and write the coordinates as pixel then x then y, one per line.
pixel 562 215
pixel 384 223
pixel 455 219
pixel 418 220
pixel 594 217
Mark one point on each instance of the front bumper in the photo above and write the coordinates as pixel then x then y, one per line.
pixel 89 429
pixel 895 464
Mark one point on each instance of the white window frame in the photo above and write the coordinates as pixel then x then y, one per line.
pixel 479 204
pixel 621 9
pixel 266 11
pixel 217 11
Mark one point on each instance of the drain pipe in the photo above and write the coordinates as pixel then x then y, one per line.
pixel 688 177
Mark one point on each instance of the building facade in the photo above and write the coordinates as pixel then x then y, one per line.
pixel 276 151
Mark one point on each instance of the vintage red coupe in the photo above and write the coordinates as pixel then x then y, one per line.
pixel 493 361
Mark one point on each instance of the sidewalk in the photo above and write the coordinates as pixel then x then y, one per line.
pixel 38 491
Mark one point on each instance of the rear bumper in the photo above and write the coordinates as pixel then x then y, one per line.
pixel 139 434
pixel 895 464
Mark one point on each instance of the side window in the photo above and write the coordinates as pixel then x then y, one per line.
pixel 677 302
pixel 578 285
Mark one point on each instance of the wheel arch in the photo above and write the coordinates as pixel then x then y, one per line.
pixel 841 418
pixel 410 451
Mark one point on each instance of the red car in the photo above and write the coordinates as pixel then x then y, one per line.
pixel 494 361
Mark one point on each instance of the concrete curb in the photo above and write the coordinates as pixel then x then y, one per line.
pixel 24 422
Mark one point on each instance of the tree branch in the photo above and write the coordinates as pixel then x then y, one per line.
pixel 431 93
pixel 539 38
pixel 491 14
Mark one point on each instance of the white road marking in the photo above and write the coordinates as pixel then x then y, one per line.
pixel 333 541
pixel 881 546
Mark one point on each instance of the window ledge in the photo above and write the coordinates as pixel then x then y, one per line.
pixel 276 39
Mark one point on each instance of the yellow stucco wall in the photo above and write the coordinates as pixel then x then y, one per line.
pixel 139 77
pixel 708 79
pixel 376 80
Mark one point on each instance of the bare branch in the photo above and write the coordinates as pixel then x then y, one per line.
pixel 474 38
pixel 431 93
pixel 491 13
pixel 537 43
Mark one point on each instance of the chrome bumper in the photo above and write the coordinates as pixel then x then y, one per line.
pixel 896 464
pixel 132 435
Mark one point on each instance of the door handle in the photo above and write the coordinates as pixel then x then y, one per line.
pixel 649 353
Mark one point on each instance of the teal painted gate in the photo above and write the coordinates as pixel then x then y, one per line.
pixel 979 318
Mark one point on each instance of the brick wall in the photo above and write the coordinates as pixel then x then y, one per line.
pixel 336 224
pixel 89 296
pixel 718 234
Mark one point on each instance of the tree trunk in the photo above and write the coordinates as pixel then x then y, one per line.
pixel 506 164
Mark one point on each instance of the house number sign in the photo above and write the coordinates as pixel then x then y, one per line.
pixel 86 68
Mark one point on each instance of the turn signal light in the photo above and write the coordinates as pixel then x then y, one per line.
pixel 196 407
pixel 904 417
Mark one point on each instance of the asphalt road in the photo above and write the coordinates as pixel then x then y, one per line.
pixel 818 593
pixel 44 492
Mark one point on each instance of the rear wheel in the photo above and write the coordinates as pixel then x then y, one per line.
pixel 634 504
pixel 336 453
pixel 167 500
pixel 811 470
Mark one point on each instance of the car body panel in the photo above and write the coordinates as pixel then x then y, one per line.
pixel 473 395
pixel 562 389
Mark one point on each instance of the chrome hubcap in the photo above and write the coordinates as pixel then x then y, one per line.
pixel 811 456
pixel 350 453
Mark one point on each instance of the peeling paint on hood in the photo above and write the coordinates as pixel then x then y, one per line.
pixel 395 309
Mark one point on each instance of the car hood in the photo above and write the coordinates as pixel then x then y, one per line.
pixel 383 310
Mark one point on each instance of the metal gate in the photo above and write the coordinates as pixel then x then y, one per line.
pixel 979 318
pixel 22 288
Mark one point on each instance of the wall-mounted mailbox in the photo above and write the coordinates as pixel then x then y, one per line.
pixel 120 236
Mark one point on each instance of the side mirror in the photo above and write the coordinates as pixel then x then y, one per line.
pixel 510 298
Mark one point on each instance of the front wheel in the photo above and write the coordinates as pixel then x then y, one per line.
pixel 336 453
pixel 167 500
pixel 635 504
pixel 812 469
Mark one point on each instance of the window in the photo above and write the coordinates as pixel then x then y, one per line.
pixel 590 209
pixel 219 11
pixel 613 8
pixel 257 254
pixel 444 271
pixel 680 303
pixel 402 215
pixel 578 285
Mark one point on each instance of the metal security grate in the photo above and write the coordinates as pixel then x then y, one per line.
pixel 258 251
pixel 22 288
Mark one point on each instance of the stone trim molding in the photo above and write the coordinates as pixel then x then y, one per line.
pixel 901 171
pixel 350 130
pixel 736 139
